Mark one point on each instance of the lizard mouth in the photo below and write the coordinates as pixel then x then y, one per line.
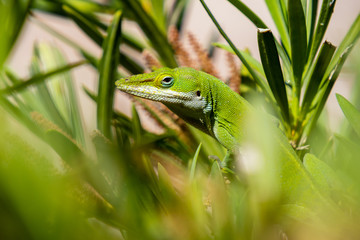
pixel 156 94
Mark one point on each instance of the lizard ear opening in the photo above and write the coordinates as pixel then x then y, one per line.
pixel 198 93
pixel 167 81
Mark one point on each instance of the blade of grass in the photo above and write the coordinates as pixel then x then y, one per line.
pixel 108 70
pixel 271 63
pixel 257 79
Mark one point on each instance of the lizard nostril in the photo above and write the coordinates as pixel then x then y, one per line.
pixel 126 79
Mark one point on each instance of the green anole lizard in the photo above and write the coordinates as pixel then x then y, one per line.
pixel 211 106
pixel 200 99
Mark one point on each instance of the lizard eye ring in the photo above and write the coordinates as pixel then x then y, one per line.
pixel 167 81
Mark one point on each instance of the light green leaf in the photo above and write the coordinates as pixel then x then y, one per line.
pixel 325 178
pixel 351 113
pixel 193 163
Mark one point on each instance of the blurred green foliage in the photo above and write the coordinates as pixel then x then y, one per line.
pixel 122 181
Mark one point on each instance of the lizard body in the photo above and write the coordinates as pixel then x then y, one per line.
pixel 199 98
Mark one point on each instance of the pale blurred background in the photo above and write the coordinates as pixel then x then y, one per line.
pixel 240 30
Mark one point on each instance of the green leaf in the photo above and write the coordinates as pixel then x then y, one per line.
pixel 322 63
pixel 298 40
pixel 311 20
pixel 271 63
pixel 12 17
pixel 351 113
pixel 255 64
pixel 329 82
pixel 325 178
pixel 257 79
pixel 87 26
pixel 39 78
pixel 346 45
pixel 108 70
pixel 326 11
pixel 193 163
pixel 156 36
pixel 248 13
pixel 275 9
pixel 136 126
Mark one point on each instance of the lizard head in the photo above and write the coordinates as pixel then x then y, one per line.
pixel 179 87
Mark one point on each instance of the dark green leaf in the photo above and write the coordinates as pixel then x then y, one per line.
pixel 108 71
pixel 271 63
pixel 275 9
pixel 298 40
pixel 326 11
pixel 322 63
pixel 257 79
pixel 88 27
pixel 153 32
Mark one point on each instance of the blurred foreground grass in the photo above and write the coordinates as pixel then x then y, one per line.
pixel 124 182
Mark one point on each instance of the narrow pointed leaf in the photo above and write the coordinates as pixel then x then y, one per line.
pixel 350 39
pixel 108 70
pixel 89 28
pixel 194 162
pixel 298 40
pixel 311 20
pixel 351 113
pixel 326 11
pixel 257 79
pixel 278 17
pixel 254 63
pixel 39 78
pixel 12 17
pixel 136 126
pixel 153 32
pixel 322 63
pixel 248 13
pixel 271 63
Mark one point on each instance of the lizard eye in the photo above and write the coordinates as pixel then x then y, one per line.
pixel 167 81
